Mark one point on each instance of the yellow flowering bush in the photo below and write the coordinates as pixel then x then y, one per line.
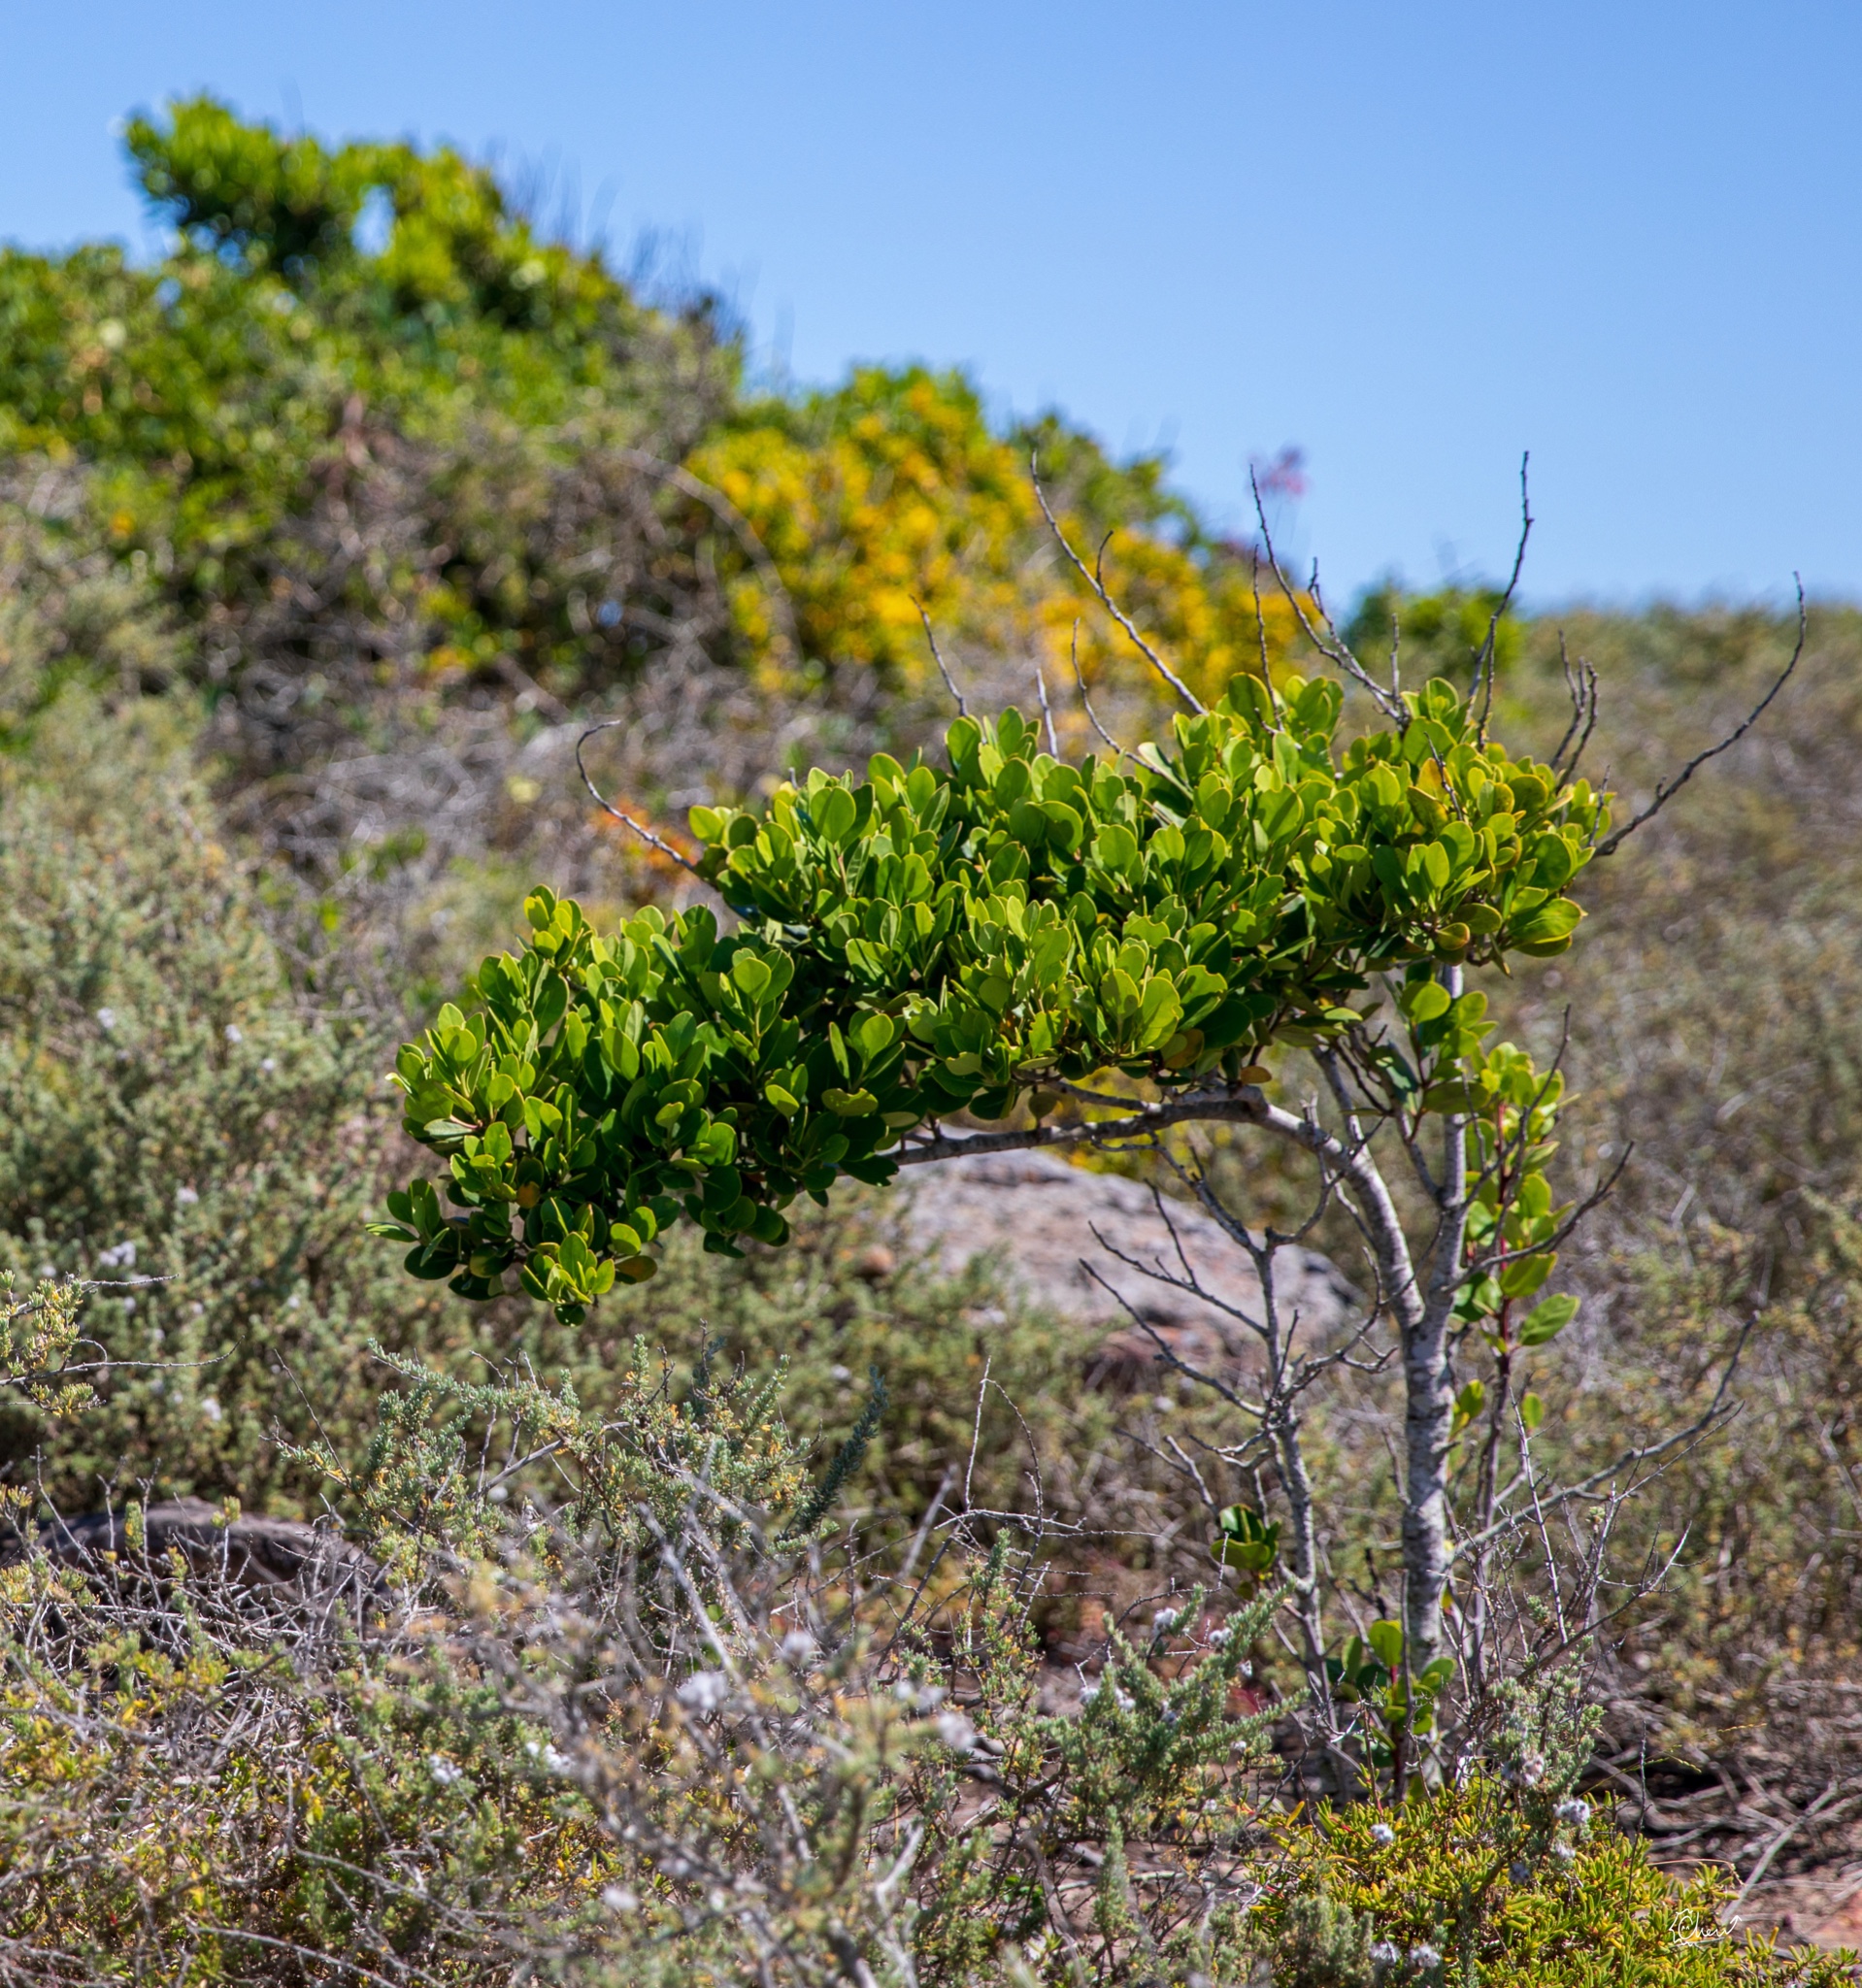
pixel 894 492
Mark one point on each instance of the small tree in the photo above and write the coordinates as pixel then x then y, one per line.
pixel 1117 946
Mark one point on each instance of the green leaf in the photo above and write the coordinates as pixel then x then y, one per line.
pixel 1522 1277
pixel 749 974
pixel 1532 1411
pixel 1548 1319
pixel 872 1035
pixel 1451 1097
pixel 833 812
pixel 1278 816
pixel 1386 1640
pixel 1114 846
pixel 1246 1539
pixel 1549 929
pixel 553 998
pixel 1426 1000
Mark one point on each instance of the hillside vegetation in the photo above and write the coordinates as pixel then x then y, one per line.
pixel 737 1631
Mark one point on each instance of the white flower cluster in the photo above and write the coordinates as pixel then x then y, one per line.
pixel 1421 1959
pixel 703 1692
pixel 1120 1698
pixel 955 1731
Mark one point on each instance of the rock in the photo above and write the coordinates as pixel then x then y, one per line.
pixel 247 1553
pixel 1037 1216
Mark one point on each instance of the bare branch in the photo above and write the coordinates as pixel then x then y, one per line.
pixel 1666 791
pixel 644 833
pixel 937 656
pixel 1329 643
pixel 1715 1413
pixel 1047 713
pixel 1110 606
pixel 721 507
pixel 1484 657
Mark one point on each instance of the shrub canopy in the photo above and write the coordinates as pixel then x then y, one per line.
pixel 930 941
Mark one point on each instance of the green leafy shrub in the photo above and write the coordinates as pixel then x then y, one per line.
pixel 1502 1885
pixel 178 1132
pixel 931 941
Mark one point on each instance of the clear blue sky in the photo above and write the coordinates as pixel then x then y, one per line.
pixel 1412 239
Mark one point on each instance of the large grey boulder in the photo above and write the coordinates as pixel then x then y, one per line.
pixel 1037 1216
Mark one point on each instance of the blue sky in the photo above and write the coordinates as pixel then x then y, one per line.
pixel 1411 240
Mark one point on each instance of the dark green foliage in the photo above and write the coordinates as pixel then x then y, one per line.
pixel 929 941
pixel 1441 634
pixel 845 1461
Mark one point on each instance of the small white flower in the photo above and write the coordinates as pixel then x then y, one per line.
pixel 210 1408
pixel 957 1731
pixel 122 1255
pixel 797 1647
pixel 1221 1639
pixel 1564 1853
pixel 1382 1833
pixel 268 1063
pixel 498 1493
pixel 703 1692
pixel 1532 1770
pixel 619 1898
pixel 1423 1957
pixel 1574 1811
pixel 106 1018
pixel 445 1770
pixel 185 1197
pixel 234 1032
pixel 1387 1953
pixel 1520 1871
pixel 1163 1623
